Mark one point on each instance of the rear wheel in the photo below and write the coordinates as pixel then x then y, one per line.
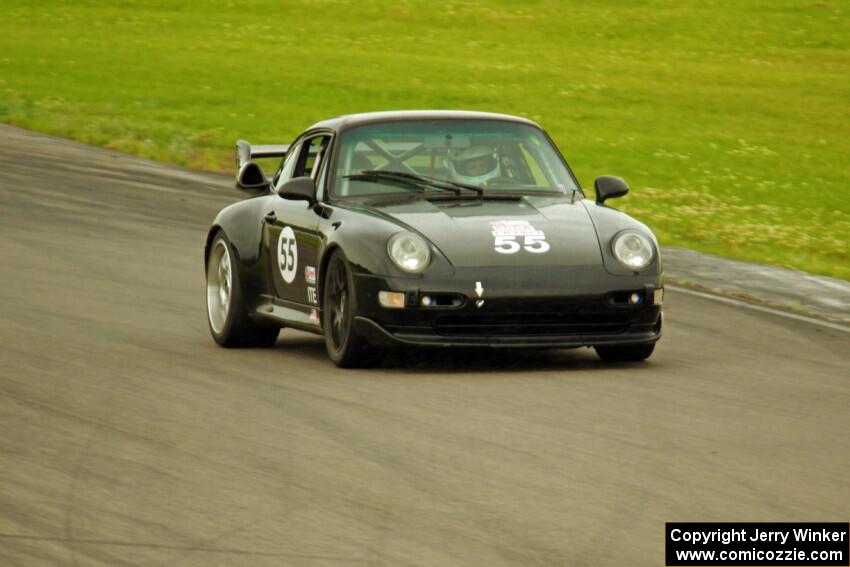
pixel 346 348
pixel 227 316
pixel 624 353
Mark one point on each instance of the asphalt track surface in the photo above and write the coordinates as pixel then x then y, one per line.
pixel 130 438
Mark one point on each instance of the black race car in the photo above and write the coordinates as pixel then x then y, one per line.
pixel 432 228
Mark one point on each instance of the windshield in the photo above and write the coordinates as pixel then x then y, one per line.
pixel 495 155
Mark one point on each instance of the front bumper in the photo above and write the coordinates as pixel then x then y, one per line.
pixel 559 309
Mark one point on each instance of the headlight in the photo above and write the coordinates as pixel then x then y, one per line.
pixel 633 249
pixel 409 252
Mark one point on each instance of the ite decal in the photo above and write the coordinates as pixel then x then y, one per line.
pixel 507 235
pixel 287 254
pixel 311 295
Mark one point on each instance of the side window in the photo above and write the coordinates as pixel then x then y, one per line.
pixel 287 167
pixel 311 156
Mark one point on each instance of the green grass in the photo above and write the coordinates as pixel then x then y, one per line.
pixel 730 120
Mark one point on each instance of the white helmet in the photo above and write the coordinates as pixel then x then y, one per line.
pixel 475 165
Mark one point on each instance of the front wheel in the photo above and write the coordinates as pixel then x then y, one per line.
pixel 228 319
pixel 624 353
pixel 345 347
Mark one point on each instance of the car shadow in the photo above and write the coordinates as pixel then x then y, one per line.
pixel 495 360
pixel 463 360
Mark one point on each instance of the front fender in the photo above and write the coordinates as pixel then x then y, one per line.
pixel 363 239
pixel 608 222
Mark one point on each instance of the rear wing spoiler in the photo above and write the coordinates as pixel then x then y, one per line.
pixel 249 175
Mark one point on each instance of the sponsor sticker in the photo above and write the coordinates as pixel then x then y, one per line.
pixel 311 295
pixel 513 228
pixel 310 274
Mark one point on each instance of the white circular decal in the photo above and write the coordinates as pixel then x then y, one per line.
pixel 287 254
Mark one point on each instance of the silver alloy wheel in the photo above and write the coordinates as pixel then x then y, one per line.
pixel 219 286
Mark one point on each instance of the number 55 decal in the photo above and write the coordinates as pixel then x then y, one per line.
pixel 535 243
pixel 506 234
pixel 287 254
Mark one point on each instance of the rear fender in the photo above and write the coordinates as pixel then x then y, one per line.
pixel 240 222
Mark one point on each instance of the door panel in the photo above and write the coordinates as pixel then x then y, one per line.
pixel 292 230
pixel 293 248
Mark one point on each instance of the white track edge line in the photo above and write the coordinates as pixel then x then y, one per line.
pixel 762 308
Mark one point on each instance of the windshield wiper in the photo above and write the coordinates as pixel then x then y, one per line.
pixel 445 182
pixel 414 179
pixel 398 178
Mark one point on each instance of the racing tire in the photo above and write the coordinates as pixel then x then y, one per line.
pixel 345 346
pixel 624 353
pixel 227 315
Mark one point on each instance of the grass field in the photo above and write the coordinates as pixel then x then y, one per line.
pixel 730 120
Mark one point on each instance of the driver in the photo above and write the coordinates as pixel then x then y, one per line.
pixel 475 165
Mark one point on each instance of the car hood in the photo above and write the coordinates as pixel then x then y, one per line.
pixel 468 232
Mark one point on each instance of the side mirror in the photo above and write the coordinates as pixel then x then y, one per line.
pixel 251 178
pixel 609 187
pixel 299 189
